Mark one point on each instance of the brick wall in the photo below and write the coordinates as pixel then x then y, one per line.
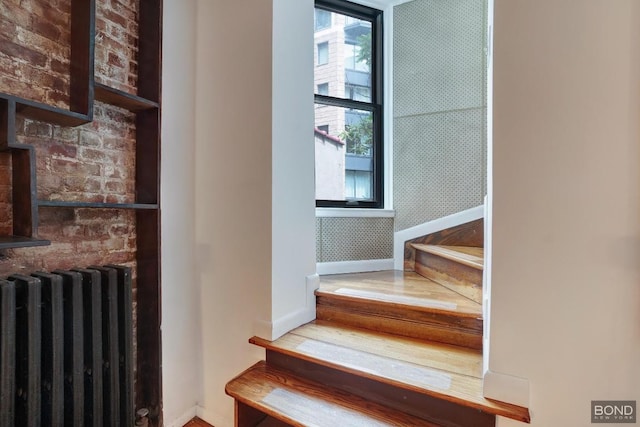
pixel 94 162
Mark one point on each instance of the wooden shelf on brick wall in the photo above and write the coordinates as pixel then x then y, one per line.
pixel 7 242
pixel 122 99
pixel 146 106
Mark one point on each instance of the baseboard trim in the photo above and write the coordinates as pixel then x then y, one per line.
pixel 506 388
pixel 274 329
pixel 183 419
pixel 343 267
pixel 434 226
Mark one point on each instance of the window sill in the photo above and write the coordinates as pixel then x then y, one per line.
pixel 354 213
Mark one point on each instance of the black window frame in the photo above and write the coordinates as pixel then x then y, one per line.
pixel 375 16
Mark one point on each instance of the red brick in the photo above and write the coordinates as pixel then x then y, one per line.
pixel 113 17
pixel 73 230
pixel 6 26
pixel 42 44
pixel 93 155
pixel 65 134
pixel 91 215
pixel 20 51
pixel 81 184
pixel 115 60
pixel 19 88
pixel 115 187
pixel 19 16
pixel 62 67
pixel 57 99
pixel 90 139
pixel 39 129
pixel 60 150
pixel 47 29
pixel 74 168
pixel 113 143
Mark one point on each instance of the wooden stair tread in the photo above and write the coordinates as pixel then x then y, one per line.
pixel 403 289
pixel 299 402
pixel 466 255
pixel 434 355
pixel 397 363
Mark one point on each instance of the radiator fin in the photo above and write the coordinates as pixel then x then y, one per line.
pixel 66 348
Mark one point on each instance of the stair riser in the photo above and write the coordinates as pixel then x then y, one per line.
pixel 411 314
pixel 456 331
pixel 441 412
pixel 460 278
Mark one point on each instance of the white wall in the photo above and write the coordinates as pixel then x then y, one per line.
pixel 181 349
pixel 293 186
pixel 566 203
pixel 233 190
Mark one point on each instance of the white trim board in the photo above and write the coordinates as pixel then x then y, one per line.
pixel 343 267
pixel 184 418
pixel 434 226
pixel 354 213
pixel 213 418
pixel 274 329
pixel 506 388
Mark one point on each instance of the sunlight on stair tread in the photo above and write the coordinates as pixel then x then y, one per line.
pixel 446 357
pixel 397 298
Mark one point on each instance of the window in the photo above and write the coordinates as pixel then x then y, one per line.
pixel 323 19
pixel 323 89
pixel 323 53
pixel 348 103
pixel 359 93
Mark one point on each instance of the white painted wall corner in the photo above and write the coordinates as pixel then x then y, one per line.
pixel 344 267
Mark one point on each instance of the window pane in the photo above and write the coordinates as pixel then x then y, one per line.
pixel 344 153
pixel 357 93
pixel 323 19
pixel 358 185
pixel 323 53
pixel 350 64
pixel 323 89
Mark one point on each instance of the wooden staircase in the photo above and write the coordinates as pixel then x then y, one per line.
pixel 389 348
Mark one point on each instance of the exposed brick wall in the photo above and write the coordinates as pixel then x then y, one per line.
pixel 117 43
pixel 34 49
pixel 94 162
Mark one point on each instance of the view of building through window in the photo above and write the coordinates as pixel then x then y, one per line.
pixel 344 134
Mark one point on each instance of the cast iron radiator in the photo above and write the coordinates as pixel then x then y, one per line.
pixel 66 348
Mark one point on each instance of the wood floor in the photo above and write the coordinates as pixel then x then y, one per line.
pixel 197 422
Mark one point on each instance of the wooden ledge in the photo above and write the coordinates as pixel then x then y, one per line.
pixel 469 256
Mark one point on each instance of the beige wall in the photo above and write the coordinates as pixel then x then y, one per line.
pixel 233 188
pixel 566 203
pixel 181 327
